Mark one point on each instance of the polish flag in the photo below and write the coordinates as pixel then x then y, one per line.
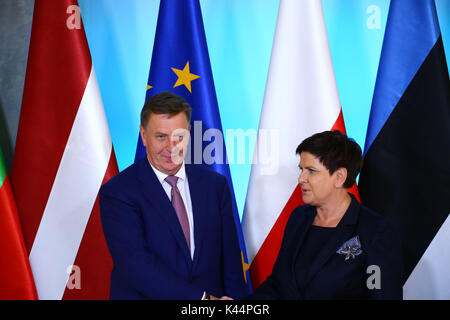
pixel 63 155
pixel 301 99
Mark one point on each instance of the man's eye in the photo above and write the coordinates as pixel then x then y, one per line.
pixel 178 138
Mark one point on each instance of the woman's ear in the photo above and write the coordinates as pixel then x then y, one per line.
pixel 341 176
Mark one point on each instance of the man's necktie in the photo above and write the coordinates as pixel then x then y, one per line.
pixel 179 207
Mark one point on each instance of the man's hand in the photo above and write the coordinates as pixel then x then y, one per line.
pixel 210 297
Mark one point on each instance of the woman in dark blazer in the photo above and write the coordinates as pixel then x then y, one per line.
pixel 333 247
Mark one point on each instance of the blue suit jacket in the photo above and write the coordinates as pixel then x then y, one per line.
pixel 331 276
pixel 150 254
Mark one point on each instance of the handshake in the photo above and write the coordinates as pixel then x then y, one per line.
pixel 207 296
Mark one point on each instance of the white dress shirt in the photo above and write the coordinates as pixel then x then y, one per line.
pixel 183 186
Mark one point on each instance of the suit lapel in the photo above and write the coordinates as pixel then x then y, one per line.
pixel 301 231
pixel 154 192
pixel 344 231
pixel 199 207
pixel 299 236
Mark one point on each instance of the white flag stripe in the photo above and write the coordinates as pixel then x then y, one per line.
pixel 73 195
pixel 430 279
pixel 301 99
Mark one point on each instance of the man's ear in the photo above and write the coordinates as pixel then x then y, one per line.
pixel 341 176
pixel 142 132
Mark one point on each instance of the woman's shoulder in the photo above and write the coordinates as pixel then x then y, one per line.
pixel 301 213
pixel 373 222
pixel 299 216
pixel 370 216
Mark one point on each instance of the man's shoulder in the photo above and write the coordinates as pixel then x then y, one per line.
pixel 203 172
pixel 124 180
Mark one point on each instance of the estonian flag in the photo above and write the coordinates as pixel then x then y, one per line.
pixel 406 172
pixel 180 64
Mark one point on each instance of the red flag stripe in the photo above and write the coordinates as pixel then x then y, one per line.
pixel 62 121
pixel 93 251
pixel 262 264
pixel 53 82
pixel 15 273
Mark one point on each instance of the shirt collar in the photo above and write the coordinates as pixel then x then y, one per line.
pixel 181 174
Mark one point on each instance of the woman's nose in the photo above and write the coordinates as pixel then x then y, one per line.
pixel 302 177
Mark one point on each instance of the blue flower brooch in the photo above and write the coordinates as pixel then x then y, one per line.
pixel 350 248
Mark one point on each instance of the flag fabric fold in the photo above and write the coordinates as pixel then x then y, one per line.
pixel 180 64
pixel 301 99
pixel 406 173
pixel 16 279
pixel 63 155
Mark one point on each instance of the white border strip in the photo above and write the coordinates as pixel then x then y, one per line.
pixel 72 197
pixel 430 279
pixel 301 99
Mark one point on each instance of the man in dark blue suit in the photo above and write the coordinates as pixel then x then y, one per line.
pixel 169 225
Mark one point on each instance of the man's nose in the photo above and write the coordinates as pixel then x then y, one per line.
pixel 171 143
pixel 174 141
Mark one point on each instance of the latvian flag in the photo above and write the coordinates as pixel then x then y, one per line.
pixel 406 172
pixel 63 155
pixel 301 99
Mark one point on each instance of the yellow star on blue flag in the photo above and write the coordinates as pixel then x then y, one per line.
pixel 184 77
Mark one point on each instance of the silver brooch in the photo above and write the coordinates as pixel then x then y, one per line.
pixel 350 248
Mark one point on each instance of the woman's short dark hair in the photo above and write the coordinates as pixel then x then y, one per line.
pixel 165 103
pixel 335 150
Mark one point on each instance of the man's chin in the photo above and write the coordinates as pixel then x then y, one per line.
pixel 171 168
pixel 166 166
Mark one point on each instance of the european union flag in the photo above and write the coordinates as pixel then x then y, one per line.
pixel 180 64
